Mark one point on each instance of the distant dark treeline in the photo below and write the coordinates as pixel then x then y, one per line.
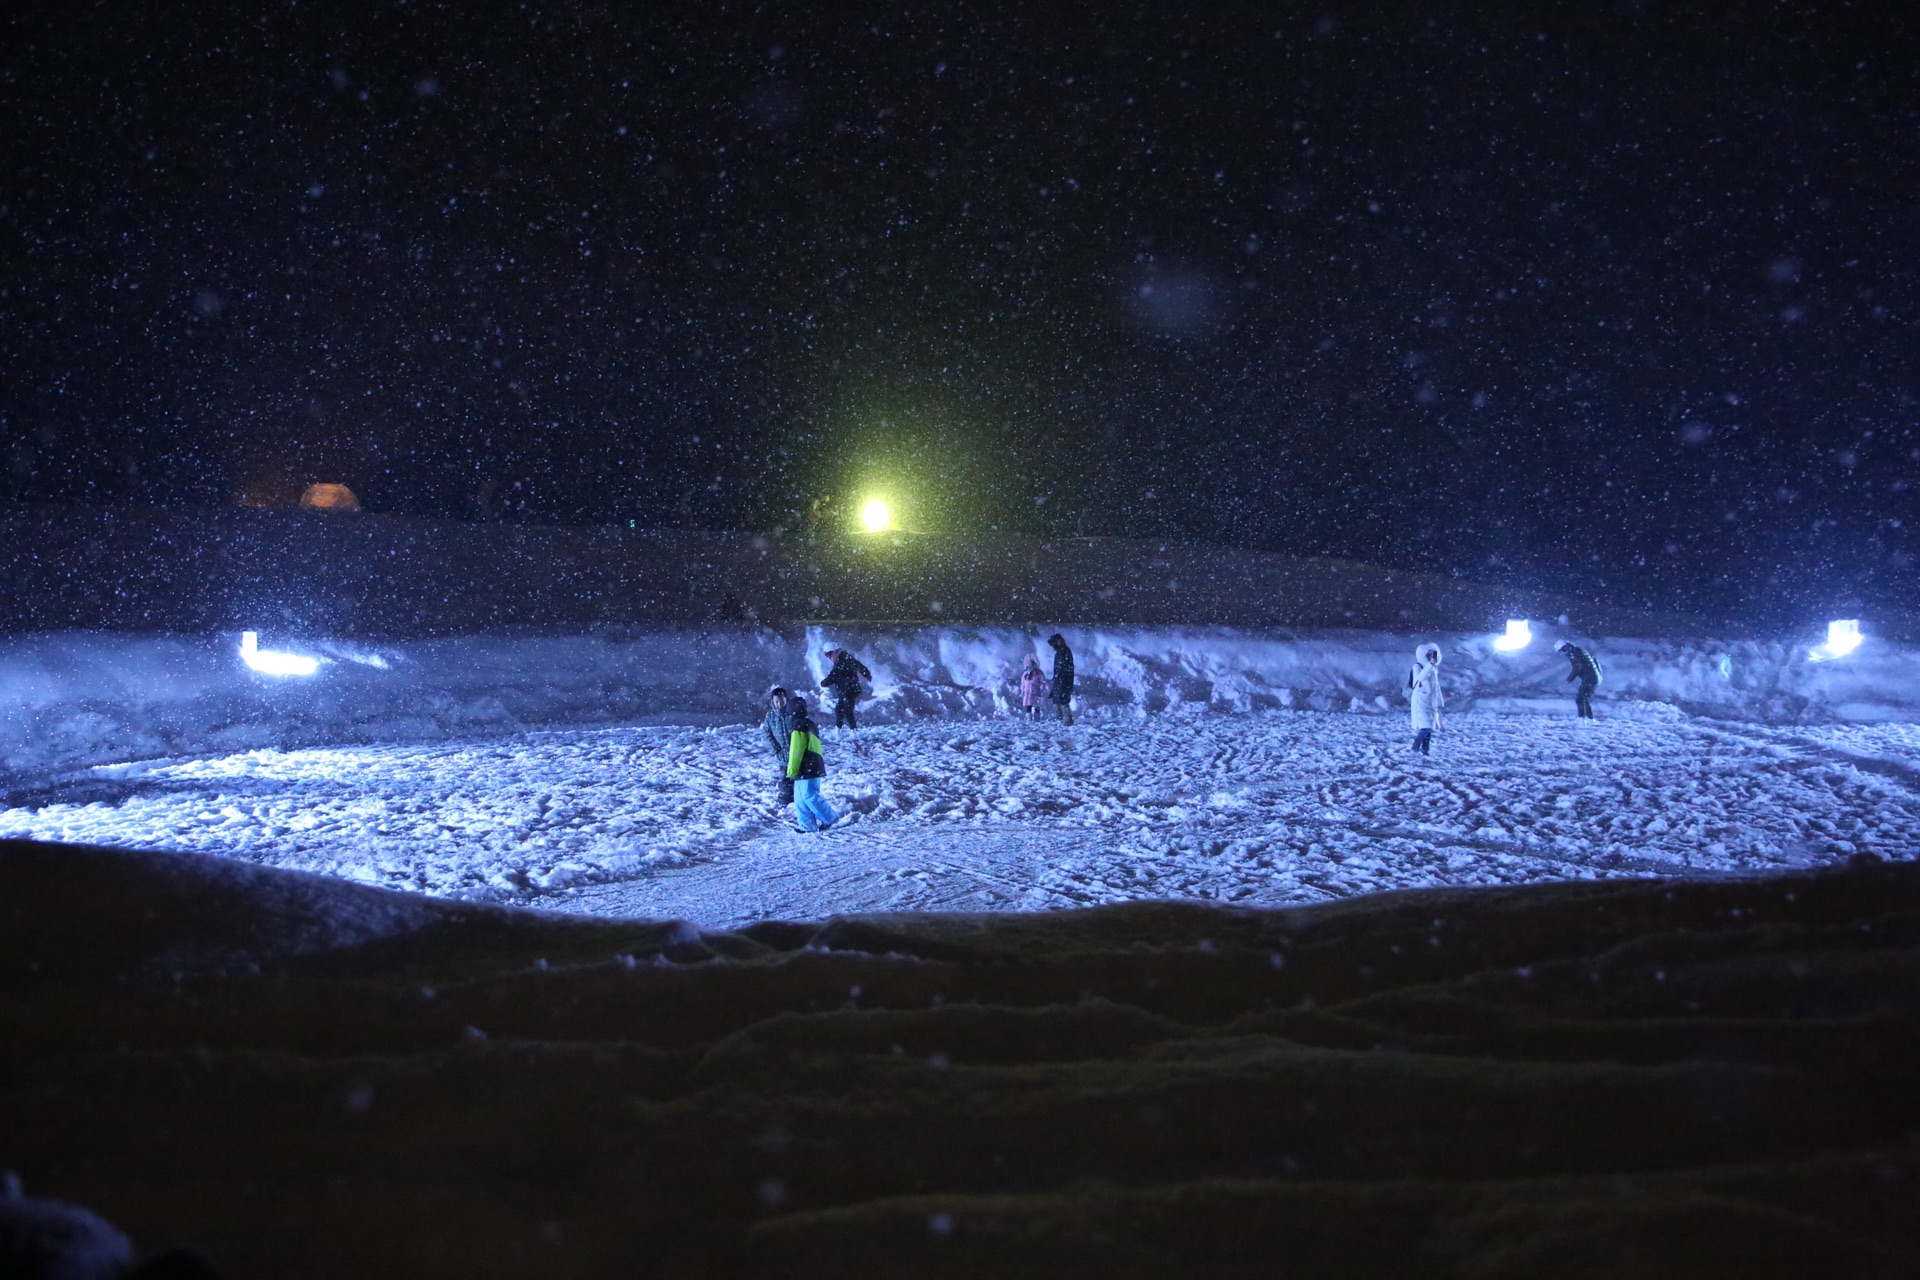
pixel 386 576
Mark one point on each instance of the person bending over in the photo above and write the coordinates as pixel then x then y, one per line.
pixel 1586 670
pixel 843 681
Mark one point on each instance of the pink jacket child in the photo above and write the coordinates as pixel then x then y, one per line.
pixel 1033 687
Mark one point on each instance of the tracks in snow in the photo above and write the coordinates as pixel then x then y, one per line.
pixel 1263 808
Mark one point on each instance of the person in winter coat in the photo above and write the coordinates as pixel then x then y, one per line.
pixel 778 730
pixel 806 765
pixel 1062 683
pixel 844 683
pixel 1033 687
pixel 1586 670
pixel 1424 692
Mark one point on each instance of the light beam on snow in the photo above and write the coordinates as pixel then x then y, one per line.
pixel 876 517
pixel 1843 637
pixel 1519 636
pixel 274 662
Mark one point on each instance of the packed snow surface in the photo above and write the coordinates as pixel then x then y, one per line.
pixel 1264 807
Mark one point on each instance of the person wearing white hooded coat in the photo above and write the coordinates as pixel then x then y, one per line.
pixel 1429 702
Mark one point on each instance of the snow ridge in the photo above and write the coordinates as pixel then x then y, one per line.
pixel 76 698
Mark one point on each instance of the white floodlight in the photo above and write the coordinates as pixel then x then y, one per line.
pixel 274 662
pixel 1519 636
pixel 1843 637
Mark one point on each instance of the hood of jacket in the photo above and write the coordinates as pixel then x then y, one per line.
pixel 1420 655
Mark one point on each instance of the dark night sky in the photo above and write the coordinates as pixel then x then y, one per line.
pixel 1623 293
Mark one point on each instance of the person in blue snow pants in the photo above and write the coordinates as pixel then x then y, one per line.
pixel 814 812
pixel 807 765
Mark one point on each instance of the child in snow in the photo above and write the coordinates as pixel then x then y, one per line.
pixel 1033 687
pixel 806 765
pixel 778 730
pixel 1423 685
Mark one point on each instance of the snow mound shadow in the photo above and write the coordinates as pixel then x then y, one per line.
pixel 1628 1077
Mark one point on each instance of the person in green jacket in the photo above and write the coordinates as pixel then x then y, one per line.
pixel 806 765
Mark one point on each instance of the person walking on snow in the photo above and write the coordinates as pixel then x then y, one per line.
pixel 778 730
pixel 1586 669
pixel 1033 687
pixel 1428 699
pixel 806 765
pixel 844 683
pixel 1062 682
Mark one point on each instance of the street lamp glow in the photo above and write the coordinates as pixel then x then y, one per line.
pixel 1519 636
pixel 274 662
pixel 1843 637
pixel 876 517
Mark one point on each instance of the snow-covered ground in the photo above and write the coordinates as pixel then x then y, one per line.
pixel 1265 807
pixel 616 771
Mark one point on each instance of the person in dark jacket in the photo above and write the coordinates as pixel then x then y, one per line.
pixel 1062 682
pixel 844 683
pixel 806 765
pixel 777 728
pixel 1586 670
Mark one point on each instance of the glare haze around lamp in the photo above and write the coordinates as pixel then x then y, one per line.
pixel 1519 635
pixel 1843 637
pixel 274 662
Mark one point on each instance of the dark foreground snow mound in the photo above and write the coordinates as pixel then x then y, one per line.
pixel 1629 1078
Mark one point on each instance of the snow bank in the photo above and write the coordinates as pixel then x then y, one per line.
pixel 975 670
pixel 82 698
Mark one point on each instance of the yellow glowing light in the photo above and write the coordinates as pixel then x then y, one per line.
pixel 876 517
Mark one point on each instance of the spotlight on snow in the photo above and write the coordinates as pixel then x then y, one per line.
pixel 875 517
pixel 1519 636
pixel 1843 637
pixel 274 662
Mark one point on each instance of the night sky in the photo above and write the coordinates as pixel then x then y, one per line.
pixel 1616 295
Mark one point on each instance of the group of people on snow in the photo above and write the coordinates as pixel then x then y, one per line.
pixel 1427 702
pixel 794 738
pixel 1036 687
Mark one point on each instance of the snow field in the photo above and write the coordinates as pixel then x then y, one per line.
pixel 1263 808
